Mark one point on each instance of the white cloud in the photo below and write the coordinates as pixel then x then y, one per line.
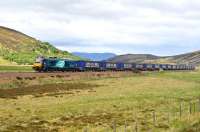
pixel 106 24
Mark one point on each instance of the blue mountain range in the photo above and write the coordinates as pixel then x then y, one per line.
pixel 95 56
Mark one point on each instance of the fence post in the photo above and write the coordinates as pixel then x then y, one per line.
pixel 190 108
pixel 168 118
pixel 114 126
pixel 154 118
pixel 136 126
pixel 180 110
pixel 125 127
pixel 136 123
pixel 199 105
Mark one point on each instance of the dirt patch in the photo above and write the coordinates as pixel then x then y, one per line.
pixel 47 89
pixel 66 75
pixel 34 125
pixel 104 119
pixel 78 121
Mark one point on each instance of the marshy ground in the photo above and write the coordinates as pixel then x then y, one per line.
pixel 155 101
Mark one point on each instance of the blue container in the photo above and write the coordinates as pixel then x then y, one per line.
pixel 144 66
pixel 111 66
pixel 92 65
pixel 128 66
pixel 120 66
pixel 139 66
pixel 149 67
pixel 169 67
pixel 102 65
pixel 134 65
pixel 163 66
pixel 156 66
pixel 80 65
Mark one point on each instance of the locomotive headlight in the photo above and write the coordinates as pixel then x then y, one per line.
pixel 37 66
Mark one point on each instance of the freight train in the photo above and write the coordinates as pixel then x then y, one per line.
pixel 56 64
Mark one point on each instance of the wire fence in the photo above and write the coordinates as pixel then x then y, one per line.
pixel 155 119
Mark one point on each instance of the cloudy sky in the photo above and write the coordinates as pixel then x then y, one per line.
pixel 161 27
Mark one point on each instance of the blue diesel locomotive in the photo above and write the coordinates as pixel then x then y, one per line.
pixel 55 64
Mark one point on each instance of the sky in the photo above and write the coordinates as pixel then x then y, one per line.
pixel 160 27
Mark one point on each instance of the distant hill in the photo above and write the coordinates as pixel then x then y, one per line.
pixel 19 48
pixel 95 56
pixel 188 58
pixel 133 58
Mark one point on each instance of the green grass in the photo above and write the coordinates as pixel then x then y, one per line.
pixel 127 99
pixel 10 68
pixel 3 61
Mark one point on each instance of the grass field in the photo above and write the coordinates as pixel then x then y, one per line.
pixel 3 61
pixel 159 101
pixel 10 68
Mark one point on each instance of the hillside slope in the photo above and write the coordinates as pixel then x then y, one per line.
pixel 188 58
pixel 16 47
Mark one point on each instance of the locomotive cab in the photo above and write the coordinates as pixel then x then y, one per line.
pixel 38 65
